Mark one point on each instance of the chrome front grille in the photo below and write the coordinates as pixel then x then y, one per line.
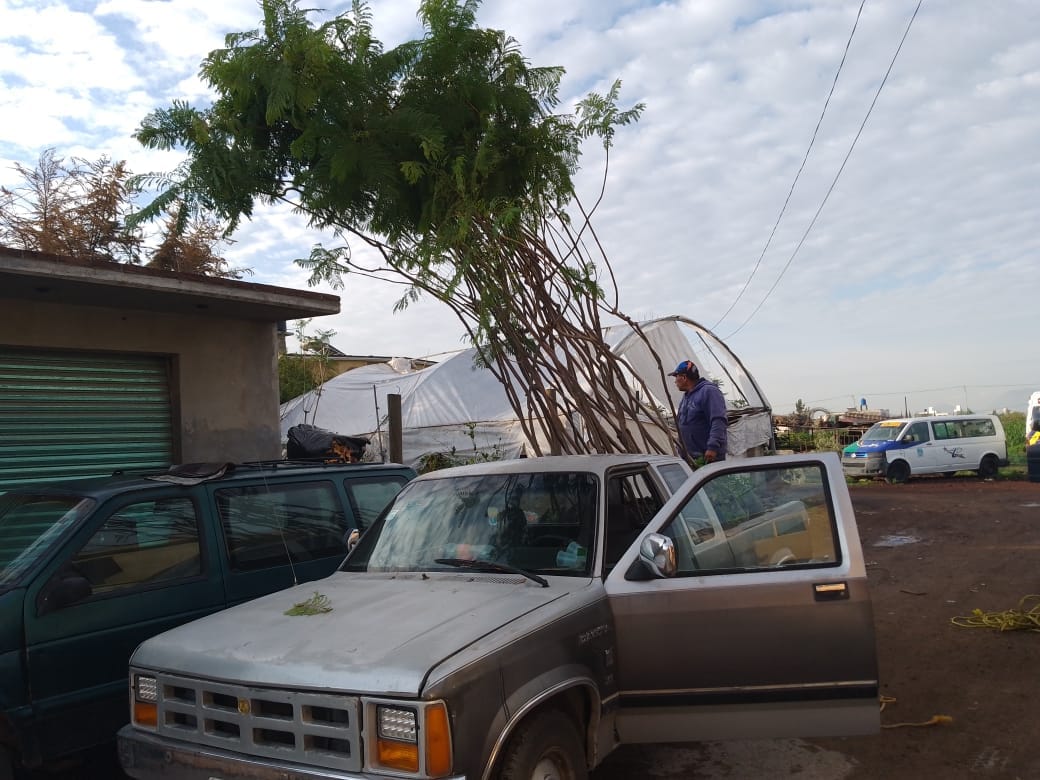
pixel 315 729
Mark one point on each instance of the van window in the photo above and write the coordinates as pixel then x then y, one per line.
pixel 962 429
pixel 369 497
pixel 144 542
pixel 948 430
pixel 919 432
pixel 884 431
pixel 268 526
pixel 980 427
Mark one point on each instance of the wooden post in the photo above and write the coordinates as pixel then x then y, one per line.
pixel 554 440
pixel 394 428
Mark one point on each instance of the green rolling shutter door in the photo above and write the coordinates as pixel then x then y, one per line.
pixel 70 414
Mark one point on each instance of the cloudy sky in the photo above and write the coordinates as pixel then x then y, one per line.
pixel 903 269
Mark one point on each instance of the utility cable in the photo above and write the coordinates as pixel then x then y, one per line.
pixel 834 183
pixel 790 192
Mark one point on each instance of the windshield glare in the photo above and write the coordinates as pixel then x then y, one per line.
pixel 28 523
pixel 884 432
pixel 539 522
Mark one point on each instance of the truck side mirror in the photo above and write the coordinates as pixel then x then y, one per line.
pixel 657 553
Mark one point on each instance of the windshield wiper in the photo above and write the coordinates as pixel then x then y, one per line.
pixel 491 566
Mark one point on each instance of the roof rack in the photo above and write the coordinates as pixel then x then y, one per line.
pixel 301 462
pixel 256 465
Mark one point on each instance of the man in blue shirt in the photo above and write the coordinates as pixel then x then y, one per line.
pixel 701 418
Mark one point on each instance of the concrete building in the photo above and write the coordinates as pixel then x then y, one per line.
pixel 105 366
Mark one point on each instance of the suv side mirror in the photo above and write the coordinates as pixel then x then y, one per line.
pixel 352 539
pixel 64 589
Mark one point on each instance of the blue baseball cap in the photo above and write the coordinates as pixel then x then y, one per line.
pixel 686 367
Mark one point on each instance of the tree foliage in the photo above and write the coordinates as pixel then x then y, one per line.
pixel 299 374
pixel 448 157
pixel 70 207
pixel 84 209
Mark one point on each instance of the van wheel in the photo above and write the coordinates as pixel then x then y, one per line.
pixel 898 471
pixel 988 467
pixel 545 747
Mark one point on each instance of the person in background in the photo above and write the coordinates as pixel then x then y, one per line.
pixel 701 418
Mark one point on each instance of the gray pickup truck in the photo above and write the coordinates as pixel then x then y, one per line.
pixel 521 619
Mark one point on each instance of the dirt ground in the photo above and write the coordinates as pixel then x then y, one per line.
pixel 936 548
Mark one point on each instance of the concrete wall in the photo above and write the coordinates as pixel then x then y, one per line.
pixel 224 379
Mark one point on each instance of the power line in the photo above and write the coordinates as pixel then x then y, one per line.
pixel 834 183
pixel 798 175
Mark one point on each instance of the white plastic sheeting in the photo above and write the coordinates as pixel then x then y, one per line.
pixel 455 406
pixel 450 405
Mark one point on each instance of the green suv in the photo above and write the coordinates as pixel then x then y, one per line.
pixel 91 568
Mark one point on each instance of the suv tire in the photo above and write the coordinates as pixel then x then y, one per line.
pixel 545 745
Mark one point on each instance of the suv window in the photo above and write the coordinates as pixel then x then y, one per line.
pixel 265 525
pixel 369 497
pixel 768 518
pixel 144 542
pixel 28 524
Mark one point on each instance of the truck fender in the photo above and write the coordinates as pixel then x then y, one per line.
pixel 539 691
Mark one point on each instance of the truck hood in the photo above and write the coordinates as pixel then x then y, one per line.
pixel 385 632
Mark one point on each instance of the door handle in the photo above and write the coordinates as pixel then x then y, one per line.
pixel 830 591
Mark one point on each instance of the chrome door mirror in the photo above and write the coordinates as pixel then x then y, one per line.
pixel 658 553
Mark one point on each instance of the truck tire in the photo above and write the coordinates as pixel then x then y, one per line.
pixel 988 467
pixel 546 746
pixel 898 471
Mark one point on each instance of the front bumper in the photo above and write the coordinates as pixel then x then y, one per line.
pixel 146 756
pixel 863 467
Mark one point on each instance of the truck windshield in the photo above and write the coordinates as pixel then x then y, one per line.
pixel 884 431
pixel 540 522
pixel 28 525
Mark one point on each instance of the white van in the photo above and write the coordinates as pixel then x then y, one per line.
pixel 1033 414
pixel 901 448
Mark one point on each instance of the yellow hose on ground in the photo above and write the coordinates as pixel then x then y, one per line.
pixel 1020 619
pixel 935 720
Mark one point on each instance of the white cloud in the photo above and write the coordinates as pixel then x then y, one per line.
pixel 916 275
